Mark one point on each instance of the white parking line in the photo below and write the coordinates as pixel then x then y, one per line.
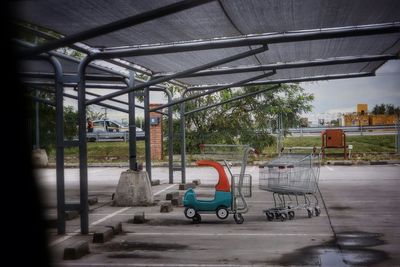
pixel 398 165
pixel 159 192
pixel 227 234
pixel 149 264
pixel 74 233
pixel 329 168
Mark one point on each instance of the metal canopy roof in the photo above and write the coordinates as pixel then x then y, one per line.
pixel 234 18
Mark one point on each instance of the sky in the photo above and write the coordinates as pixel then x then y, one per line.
pixel 331 97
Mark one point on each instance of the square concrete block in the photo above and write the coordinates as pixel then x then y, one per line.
pixel 172 195
pixel 76 250
pixel 155 182
pixel 166 207
pixel 196 182
pixel 186 186
pixel 139 217
pixel 116 227
pixel 176 201
pixel 92 200
pixel 103 235
pixel 71 214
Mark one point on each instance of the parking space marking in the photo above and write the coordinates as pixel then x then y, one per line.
pixel 159 192
pixel 227 234
pixel 398 165
pixel 329 168
pixel 149 264
pixel 74 233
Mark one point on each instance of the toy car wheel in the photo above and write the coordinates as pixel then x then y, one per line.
pixel 238 217
pixel 196 218
pixel 222 213
pixel 190 213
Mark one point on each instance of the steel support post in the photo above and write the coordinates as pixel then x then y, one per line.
pixel 116 25
pixel 170 134
pixel 132 125
pixel 37 126
pixel 83 173
pixel 59 145
pixel 183 141
pixel 147 130
pixel 398 135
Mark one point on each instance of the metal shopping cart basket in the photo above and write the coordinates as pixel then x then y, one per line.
pixel 292 177
pixel 230 192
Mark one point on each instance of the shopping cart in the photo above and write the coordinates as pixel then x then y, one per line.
pixel 292 177
pixel 230 193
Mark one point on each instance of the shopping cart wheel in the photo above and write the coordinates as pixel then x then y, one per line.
pixel 317 211
pixel 190 213
pixel 238 218
pixel 284 216
pixel 222 213
pixel 270 216
pixel 309 212
pixel 196 218
pixel 291 215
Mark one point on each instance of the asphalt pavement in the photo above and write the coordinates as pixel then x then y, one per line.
pixel 358 225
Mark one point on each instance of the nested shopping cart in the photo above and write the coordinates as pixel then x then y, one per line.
pixel 292 178
pixel 230 193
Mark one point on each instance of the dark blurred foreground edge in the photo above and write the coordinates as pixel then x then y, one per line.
pixel 22 212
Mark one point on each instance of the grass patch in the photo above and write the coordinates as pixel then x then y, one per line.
pixel 364 148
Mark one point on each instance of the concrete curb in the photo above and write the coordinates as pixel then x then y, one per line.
pixel 103 235
pixel 76 250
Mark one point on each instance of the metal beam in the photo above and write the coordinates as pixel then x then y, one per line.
pixel 79 49
pixel 76 98
pixel 293 80
pixel 125 103
pixel 231 100
pixel 288 65
pixel 73 85
pixel 114 26
pixel 220 88
pixel 44 101
pixel 255 39
pixel 177 75
pixel 128 65
pixel 94 77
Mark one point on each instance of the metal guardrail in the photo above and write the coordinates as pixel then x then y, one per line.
pixel 344 128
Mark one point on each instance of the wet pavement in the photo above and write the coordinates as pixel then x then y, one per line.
pixel 357 227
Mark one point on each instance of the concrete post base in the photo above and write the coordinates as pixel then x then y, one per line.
pixel 134 189
pixel 39 158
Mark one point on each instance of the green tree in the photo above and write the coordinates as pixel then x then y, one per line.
pixel 379 109
pixel 246 121
pixel 94 115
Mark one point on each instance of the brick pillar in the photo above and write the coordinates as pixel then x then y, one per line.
pixel 156 134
